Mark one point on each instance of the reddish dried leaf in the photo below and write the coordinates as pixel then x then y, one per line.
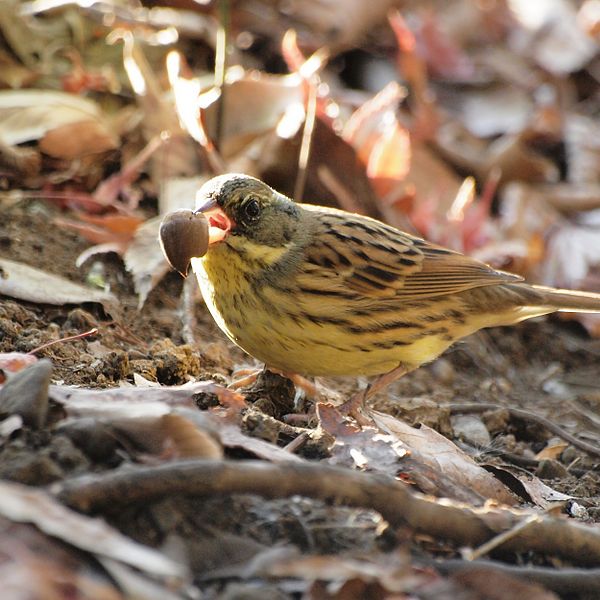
pixel 363 128
pixel 94 233
pixel 125 225
pixel 334 422
pixel 13 362
pixel 444 57
pixel 389 161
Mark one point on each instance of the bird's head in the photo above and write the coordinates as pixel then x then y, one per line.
pixel 243 207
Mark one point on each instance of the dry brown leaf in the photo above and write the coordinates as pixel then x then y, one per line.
pixel 12 74
pixel 445 58
pixel 74 140
pixel 67 126
pixel 232 437
pixel 256 103
pixel 509 154
pixel 435 188
pixel 551 451
pixel 367 122
pixel 425 444
pixel 188 439
pixel 529 487
pixel 28 505
pixel 112 229
pixel 179 433
pixel 129 402
pixel 21 281
pixel 36 565
pixel 318 22
pixel 145 260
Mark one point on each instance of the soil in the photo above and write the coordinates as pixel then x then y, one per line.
pixel 546 366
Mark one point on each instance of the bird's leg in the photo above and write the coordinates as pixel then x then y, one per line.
pixel 356 403
pixel 306 385
pixel 245 377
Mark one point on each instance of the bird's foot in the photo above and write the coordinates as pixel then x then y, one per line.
pixel 355 407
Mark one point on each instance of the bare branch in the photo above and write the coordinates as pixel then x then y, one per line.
pixel 397 503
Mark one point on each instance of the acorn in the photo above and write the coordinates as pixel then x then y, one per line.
pixel 183 235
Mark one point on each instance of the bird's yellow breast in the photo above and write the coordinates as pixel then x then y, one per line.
pixel 295 333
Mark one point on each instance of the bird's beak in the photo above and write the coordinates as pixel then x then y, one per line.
pixel 219 224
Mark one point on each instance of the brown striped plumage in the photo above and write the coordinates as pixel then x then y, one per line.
pixel 318 291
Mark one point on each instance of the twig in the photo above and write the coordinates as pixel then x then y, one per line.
pixel 500 539
pixel 309 125
pixel 297 443
pixel 221 66
pixel 573 582
pixel 528 416
pixel 395 501
pixel 70 338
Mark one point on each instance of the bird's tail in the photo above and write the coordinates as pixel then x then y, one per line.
pixel 568 300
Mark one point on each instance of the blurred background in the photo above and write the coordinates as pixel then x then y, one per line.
pixel 473 124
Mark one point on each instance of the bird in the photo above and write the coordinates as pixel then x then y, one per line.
pixel 318 291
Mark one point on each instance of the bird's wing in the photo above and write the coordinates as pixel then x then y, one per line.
pixel 365 256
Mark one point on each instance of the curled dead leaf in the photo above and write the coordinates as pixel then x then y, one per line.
pixel 74 140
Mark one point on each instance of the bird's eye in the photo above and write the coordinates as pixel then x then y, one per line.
pixel 251 210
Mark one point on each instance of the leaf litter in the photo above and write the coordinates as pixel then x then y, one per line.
pixel 485 139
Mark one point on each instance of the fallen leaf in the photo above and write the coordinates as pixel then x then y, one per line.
pixel 145 260
pixel 232 437
pixel 74 140
pixel 21 281
pixel 13 362
pixel 254 104
pixel 445 58
pixel 428 446
pixel 66 126
pixel 29 505
pixel 178 433
pixel 36 565
pixel 126 402
pixel 552 451
pixel 528 486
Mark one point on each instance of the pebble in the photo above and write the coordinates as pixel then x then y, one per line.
pixel 443 371
pixel 26 394
pixel 551 469
pixel 471 429
pixel 569 454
